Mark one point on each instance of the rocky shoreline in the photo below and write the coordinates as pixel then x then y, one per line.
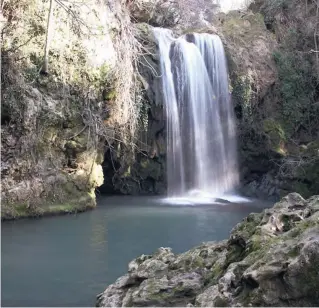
pixel 270 259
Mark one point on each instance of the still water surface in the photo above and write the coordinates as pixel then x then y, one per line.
pixel 68 260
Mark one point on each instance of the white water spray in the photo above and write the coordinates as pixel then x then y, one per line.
pixel 201 139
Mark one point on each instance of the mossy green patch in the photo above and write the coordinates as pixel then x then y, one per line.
pixel 214 274
pixel 221 302
pixel 127 173
pixel 250 297
pixel 21 210
pixel 149 168
pixel 110 95
pixel 303 225
pixel 61 208
pixel 192 261
pixel 255 243
pixel 242 92
pixel 18 211
pixel 294 252
pixel 235 253
pixel 307 176
pixel 297 88
pixel 276 135
pixel 248 226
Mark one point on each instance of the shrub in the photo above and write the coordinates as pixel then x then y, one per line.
pixel 297 89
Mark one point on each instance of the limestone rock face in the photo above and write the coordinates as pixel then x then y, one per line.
pixel 262 45
pixel 156 13
pixel 270 259
pixel 178 14
pixel 146 174
pixel 50 156
pixel 249 48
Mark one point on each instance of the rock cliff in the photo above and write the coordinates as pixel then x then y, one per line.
pixel 270 259
pixel 98 116
pixel 56 125
pixel 279 139
pixel 276 124
pixel 49 161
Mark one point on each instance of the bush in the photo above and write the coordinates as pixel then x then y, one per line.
pixel 298 90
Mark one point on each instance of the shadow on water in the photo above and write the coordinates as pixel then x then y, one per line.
pixel 68 260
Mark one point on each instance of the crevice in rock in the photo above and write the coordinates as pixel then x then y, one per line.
pixel 250 283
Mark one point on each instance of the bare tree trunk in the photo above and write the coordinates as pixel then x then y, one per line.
pixel 45 67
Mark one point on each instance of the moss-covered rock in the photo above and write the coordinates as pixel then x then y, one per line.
pixel 274 80
pixel 53 134
pixel 270 259
pixel 27 210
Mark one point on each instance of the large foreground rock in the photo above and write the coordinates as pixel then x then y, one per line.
pixel 270 259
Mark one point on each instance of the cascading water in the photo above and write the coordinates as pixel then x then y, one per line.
pixel 201 141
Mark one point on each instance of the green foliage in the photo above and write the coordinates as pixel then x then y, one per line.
pixel 216 271
pixel 70 56
pixel 308 176
pixel 144 115
pixel 297 89
pixel 142 108
pixel 23 210
pixel 294 252
pixel 242 92
pixel 98 76
pixel 270 125
pixel 110 95
pixel 276 134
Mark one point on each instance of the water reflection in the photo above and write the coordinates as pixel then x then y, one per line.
pixel 69 260
pixel 98 232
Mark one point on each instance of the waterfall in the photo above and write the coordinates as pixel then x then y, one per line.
pixel 201 139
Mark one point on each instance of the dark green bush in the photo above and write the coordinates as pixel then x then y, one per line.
pixel 298 85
